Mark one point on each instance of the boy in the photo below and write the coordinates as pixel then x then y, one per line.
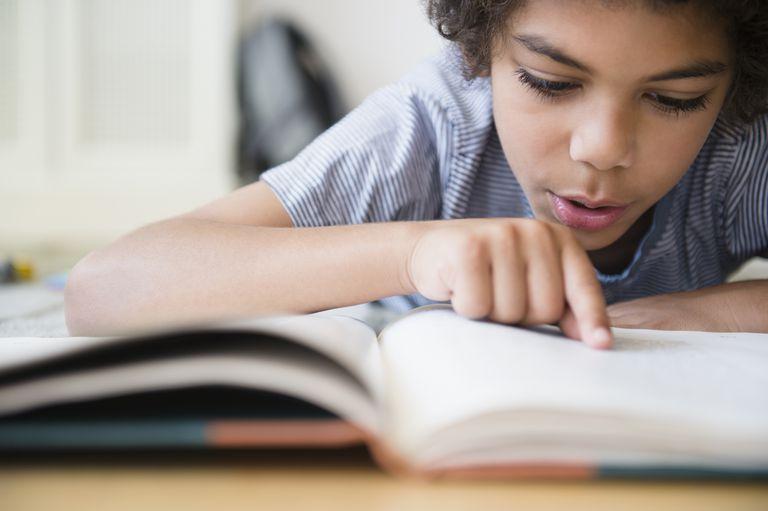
pixel 605 152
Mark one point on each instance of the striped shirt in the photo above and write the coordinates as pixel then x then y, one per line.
pixel 426 148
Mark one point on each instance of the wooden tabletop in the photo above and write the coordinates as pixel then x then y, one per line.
pixel 320 480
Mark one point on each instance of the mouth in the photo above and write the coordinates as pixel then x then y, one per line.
pixel 583 214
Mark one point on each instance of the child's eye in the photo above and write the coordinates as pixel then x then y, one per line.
pixel 545 89
pixel 549 91
pixel 674 106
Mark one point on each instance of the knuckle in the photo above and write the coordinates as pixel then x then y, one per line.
pixel 547 312
pixel 472 309
pixel 471 248
pixel 546 241
pixel 547 304
pixel 559 229
pixel 536 228
pixel 564 235
pixel 506 315
pixel 504 237
pixel 503 230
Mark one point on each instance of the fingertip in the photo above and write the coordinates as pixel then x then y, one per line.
pixel 601 338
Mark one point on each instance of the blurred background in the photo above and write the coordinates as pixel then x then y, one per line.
pixel 116 113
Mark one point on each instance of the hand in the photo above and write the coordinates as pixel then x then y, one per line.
pixel 708 309
pixel 512 270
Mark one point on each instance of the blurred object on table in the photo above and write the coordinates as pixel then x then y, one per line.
pixel 17 269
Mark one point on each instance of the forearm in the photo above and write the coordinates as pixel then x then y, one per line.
pixel 732 307
pixel 191 270
pixel 738 306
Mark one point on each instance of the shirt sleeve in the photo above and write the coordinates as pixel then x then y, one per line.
pixel 746 200
pixel 379 163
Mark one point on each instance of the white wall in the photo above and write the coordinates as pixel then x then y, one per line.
pixel 366 43
pixel 54 190
pixel 113 113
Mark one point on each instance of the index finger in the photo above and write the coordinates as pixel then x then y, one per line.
pixel 584 296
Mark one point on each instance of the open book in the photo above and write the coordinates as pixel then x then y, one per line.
pixel 432 393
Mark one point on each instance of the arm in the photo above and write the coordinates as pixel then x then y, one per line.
pixel 241 255
pixel 237 257
pixel 733 307
pixel 232 258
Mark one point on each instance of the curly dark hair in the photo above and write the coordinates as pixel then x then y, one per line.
pixel 476 24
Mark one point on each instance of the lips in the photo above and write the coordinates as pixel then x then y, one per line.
pixel 584 201
pixel 578 212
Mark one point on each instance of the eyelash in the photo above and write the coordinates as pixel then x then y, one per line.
pixel 549 91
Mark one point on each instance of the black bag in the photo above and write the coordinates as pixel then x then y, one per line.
pixel 286 97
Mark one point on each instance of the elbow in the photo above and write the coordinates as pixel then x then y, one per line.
pixel 111 291
pixel 83 297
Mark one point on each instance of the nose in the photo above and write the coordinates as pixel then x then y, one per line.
pixel 604 138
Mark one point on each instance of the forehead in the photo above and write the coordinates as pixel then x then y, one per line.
pixel 625 35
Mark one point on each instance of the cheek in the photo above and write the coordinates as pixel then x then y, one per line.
pixel 666 150
pixel 529 136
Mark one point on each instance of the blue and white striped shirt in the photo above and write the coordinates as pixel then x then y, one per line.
pixel 426 148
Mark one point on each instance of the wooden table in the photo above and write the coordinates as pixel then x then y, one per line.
pixel 318 480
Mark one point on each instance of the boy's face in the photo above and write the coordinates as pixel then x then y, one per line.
pixel 608 132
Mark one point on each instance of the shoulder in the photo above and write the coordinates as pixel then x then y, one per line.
pixel 746 145
pixel 433 102
pixel 745 152
pixel 438 85
pixel 743 187
pixel 732 159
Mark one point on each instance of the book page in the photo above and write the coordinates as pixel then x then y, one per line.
pixel 348 341
pixel 311 379
pixel 18 351
pixel 442 369
pixel 349 384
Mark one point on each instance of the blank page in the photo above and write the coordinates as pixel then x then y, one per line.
pixel 441 369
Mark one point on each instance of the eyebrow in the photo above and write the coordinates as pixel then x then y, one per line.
pixel 696 69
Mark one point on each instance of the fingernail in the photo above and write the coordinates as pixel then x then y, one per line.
pixel 601 336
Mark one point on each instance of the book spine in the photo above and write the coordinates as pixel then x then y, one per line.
pixel 23 436
pixel 174 434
